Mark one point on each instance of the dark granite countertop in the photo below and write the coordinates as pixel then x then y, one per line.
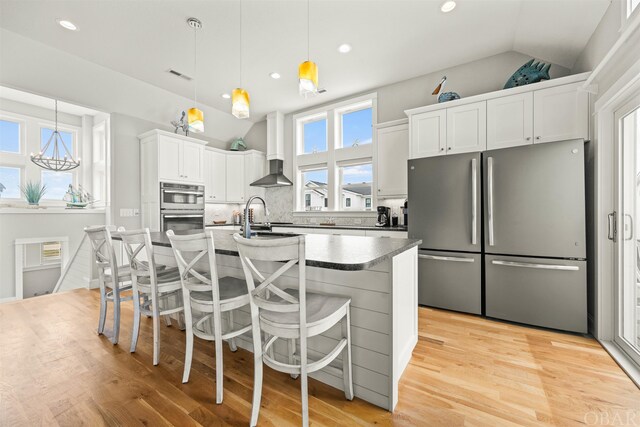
pixel 329 227
pixel 348 253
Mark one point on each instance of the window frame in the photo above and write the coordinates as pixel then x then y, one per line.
pixel 627 15
pixel 30 141
pixel 335 156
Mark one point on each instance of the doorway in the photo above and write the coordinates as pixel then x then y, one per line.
pixel 626 305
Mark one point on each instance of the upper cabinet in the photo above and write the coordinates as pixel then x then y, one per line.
pixel 235 178
pixel 428 134
pixel 179 161
pixel 467 128
pixel 392 154
pixel 553 110
pixel 510 121
pixel 215 172
pixel 560 113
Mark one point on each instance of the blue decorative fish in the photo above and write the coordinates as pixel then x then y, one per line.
pixel 531 72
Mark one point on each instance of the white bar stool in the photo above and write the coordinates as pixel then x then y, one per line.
pixel 159 288
pixel 204 293
pixel 112 278
pixel 291 314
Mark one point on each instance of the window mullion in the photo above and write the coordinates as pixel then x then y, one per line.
pixel 333 181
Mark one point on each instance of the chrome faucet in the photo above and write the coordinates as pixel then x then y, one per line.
pixel 246 232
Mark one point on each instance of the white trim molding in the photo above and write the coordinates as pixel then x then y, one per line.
pixel 20 257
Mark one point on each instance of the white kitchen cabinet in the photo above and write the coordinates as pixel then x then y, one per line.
pixel 215 183
pixel 428 134
pixel 510 121
pixel 192 162
pixel 467 128
pixel 235 178
pixel 560 113
pixel 391 159
pixel 179 160
pixel 169 167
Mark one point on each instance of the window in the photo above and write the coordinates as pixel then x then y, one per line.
pixel 21 135
pixel 314 189
pixel 333 154
pixel 355 186
pixel 9 183
pixel 57 184
pixel 356 128
pixel 9 136
pixel 314 136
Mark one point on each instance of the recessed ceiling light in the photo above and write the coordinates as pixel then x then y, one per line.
pixel 274 75
pixel 67 24
pixel 226 96
pixel 344 48
pixel 448 6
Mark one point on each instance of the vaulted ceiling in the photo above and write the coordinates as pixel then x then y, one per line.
pixel 392 40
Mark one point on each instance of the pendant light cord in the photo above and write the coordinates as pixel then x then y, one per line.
pixel 56 102
pixel 195 66
pixel 308 30
pixel 241 43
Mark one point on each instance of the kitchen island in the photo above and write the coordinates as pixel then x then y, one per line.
pixel 380 275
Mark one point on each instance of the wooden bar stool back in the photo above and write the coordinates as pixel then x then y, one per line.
pixel 290 314
pixel 206 298
pixel 159 287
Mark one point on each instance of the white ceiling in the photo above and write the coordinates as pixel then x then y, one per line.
pixel 392 40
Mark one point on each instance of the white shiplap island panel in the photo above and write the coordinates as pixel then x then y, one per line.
pixel 384 315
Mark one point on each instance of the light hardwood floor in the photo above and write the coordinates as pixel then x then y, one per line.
pixel 55 370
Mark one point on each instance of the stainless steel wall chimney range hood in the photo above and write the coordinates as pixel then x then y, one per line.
pixel 275 153
pixel 275 178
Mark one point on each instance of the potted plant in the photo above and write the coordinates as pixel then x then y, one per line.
pixel 33 192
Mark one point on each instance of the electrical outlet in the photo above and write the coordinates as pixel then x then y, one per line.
pixel 136 212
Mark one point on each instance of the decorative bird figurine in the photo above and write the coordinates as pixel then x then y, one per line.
pixel 444 96
pixel 530 72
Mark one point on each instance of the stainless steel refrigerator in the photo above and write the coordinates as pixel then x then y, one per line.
pixel 445 213
pixel 530 250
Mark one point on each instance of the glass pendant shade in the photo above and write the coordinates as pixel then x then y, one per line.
pixel 240 103
pixel 195 119
pixel 308 78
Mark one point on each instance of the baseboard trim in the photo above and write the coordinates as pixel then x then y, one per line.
pixel 623 360
pixel 8 299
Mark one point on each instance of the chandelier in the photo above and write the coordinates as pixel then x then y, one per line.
pixel 61 158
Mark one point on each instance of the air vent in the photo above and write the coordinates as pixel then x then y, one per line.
pixel 179 74
pixel 322 90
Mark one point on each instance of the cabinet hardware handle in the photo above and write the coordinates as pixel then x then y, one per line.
pixel 442 149
pixel 538 266
pixel 445 258
pixel 490 198
pixel 537 137
pixel 528 138
pixel 449 148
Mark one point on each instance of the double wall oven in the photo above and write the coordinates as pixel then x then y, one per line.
pixel 181 207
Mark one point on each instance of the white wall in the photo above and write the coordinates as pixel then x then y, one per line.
pixel 25 225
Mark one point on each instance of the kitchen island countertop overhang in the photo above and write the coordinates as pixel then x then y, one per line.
pixel 378 274
pixel 348 253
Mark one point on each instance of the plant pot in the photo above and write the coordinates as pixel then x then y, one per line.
pixel 34 203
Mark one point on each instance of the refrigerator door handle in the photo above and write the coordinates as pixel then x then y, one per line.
pixel 474 201
pixel 613 226
pixel 630 228
pixel 446 258
pixel 538 266
pixel 490 198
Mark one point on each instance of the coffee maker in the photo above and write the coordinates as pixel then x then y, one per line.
pixel 384 217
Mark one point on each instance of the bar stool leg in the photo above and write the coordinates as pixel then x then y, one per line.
pixel 292 352
pixel 188 354
pixel 232 341
pixel 156 329
pixel 257 372
pixel 103 309
pixel 347 375
pixel 136 321
pixel 116 314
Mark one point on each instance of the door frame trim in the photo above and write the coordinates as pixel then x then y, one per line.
pixel 627 86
